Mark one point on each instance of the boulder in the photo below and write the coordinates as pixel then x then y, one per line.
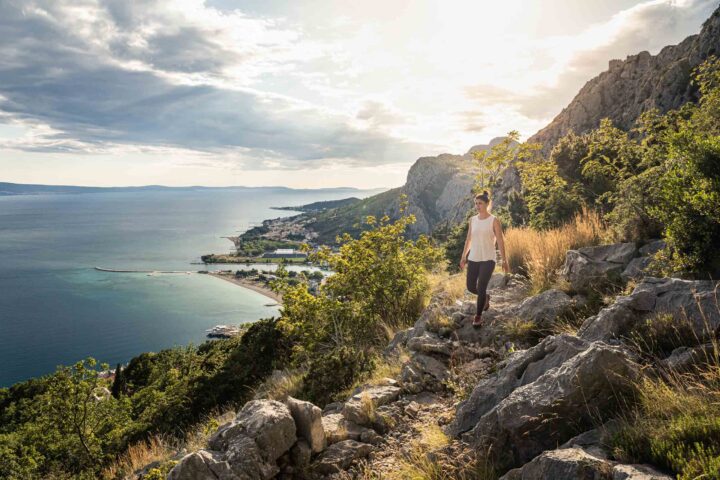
pixel 691 300
pixel 308 422
pixel 684 358
pixel 201 465
pixel 563 464
pixel 587 266
pixel 300 454
pixel 430 343
pixel 638 472
pixel 423 372
pixel 522 368
pixel 338 428
pixel 635 270
pixel 542 414
pixel 360 407
pixel 542 309
pixel 498 280
pixel 339 456
pixel 268 423
pixel 652 247
pixel 247 460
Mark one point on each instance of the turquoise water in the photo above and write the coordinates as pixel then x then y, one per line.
pixel 55 308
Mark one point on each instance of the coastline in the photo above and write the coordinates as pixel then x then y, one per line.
pixel 246 284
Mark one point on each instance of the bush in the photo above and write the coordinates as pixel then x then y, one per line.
pixel 676 426
pixel 335 371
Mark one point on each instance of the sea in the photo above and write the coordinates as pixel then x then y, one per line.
pixel 56 308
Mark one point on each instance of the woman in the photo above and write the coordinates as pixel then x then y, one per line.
pixel 483 231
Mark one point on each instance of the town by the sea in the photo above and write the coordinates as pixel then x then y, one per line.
pixel 55 308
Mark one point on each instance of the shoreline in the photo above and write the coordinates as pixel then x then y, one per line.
pixel 246 284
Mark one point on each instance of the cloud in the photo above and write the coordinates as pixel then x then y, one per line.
pixel 647 26
pixel 89 75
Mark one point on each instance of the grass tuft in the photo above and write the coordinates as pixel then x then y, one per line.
pixel 539 254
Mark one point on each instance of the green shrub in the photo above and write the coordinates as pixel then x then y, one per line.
pixel 334 372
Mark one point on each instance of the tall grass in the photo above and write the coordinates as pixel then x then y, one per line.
pixel 539 254
pixel 676 424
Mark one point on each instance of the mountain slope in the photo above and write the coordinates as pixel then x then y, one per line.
pixel 637 84
pixel 438 191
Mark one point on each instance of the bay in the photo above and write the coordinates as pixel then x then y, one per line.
pixel 55 308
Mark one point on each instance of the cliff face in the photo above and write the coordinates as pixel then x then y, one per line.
pixel 637 84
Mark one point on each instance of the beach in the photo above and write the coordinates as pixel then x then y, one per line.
pixel 230 277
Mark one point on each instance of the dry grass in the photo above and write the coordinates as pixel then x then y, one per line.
pixel 676 423
pixel 540 254
pixel 138 455
pixel 161 450
pixel 445 285
pixel 280 385
pixel 433 457
pixel 519 330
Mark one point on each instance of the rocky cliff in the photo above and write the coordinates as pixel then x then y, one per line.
pixel 632 86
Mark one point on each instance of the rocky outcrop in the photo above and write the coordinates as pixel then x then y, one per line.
pixel 694 301
pixel 588 266
pixel 521 369
pixel 577 463
pixel 544 308
pixel 635 85
pixel 542 414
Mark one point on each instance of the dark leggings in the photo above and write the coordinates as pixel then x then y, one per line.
pixel 478 276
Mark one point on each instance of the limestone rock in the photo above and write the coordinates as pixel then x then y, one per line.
pixel 423 372
pixel 300 454
pixel 308 421
pixel 430 343
pixel 652 247
pixel 338 428
pixel 201 465
pixel 638 472
pixel 543 308
pixel 360 407
pixel 267 422
pixel 523 367
pixel 339 456
pixel 498 280
pixel 563 464
pixel 545 413
pixel 693 300
pixel 589 265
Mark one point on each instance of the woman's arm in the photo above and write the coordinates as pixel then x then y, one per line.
pixel 466 248
pixel 497 228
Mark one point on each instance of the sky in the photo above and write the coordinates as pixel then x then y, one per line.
pixel 300 93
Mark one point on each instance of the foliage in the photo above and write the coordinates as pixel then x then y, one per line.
pixel 494 161
pixel 335 371
pixel 676 426
pixel 380 283
pixel 549 199
pixel 663 177
pixel 69 423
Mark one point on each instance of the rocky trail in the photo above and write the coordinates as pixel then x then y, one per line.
pixel 532 413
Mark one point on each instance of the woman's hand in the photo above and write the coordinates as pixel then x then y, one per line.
pixel 462 263
pixel 505 266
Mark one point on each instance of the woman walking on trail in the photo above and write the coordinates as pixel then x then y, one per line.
pixel 483 231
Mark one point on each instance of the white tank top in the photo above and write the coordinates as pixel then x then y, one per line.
pixel 482 239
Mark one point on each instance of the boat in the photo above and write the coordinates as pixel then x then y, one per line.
pixel 223 331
